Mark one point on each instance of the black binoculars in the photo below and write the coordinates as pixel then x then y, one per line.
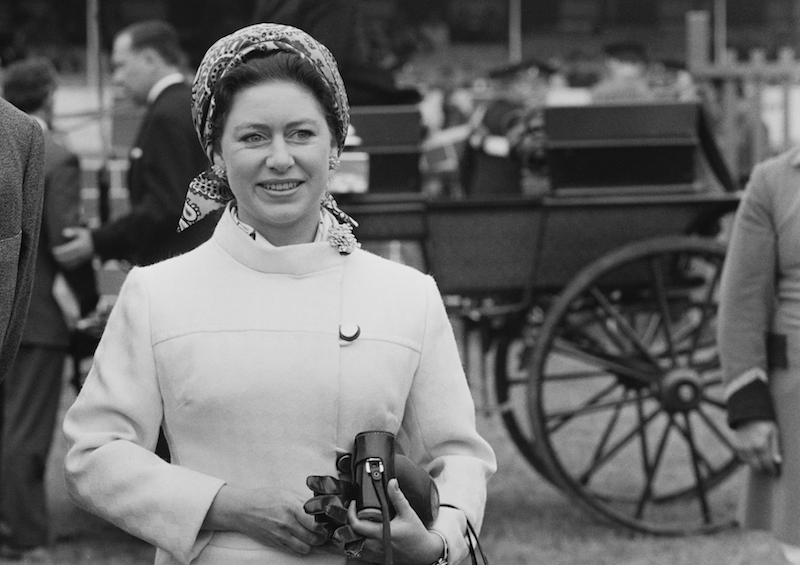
pixel 377 458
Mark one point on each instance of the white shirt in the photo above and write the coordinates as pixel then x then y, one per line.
pixel 162 84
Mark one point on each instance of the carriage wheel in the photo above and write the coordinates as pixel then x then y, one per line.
pixel 626 393
pixel 511 380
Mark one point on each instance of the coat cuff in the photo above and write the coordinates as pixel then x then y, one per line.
pixel 749 403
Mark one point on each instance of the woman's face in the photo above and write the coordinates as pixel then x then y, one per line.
pixel 275 146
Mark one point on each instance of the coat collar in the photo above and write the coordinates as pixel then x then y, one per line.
pixel 297 260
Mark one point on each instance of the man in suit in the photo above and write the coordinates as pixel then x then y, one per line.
pixel 21 195
pixel 166 156
pixel 32 391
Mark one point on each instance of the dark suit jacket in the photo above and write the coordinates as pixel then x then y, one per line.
pixel 165 158
pixel 21 195
pixel 62 206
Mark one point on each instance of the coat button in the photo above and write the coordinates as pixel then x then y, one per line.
pixel 349 332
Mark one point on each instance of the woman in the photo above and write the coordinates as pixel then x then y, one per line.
pixel 759 329
pixel 263 352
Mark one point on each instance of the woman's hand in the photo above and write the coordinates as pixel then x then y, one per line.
pixel 268 515
pixel 412 543
pixel 757 445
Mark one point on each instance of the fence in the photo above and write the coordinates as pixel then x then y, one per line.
pixel 756 102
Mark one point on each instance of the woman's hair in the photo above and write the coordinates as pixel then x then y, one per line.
pixel 267 67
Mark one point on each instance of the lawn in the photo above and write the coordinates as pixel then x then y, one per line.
pixel 530 522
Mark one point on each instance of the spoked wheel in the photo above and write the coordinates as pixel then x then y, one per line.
pixel 511 381
pixel 626 395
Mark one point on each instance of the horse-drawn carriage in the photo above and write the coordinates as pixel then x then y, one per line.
pixel 596 301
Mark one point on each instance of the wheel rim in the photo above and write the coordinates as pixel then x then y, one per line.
pixel 626 393
pixel 511 380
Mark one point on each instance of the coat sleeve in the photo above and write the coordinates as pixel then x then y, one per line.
pixel 747 300
pixel 112 430
pixel 442 435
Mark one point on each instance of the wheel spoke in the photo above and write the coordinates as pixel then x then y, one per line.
pixel 651 476
pixel 663 305
pixel 606 434
pixel 712 425
pixel 611 365
pixel 715 402
pixel 708 305
pixel 584 477
pixel 626 329
pixel 642 436
pixel 577 375
pixel 696 459
pixel 590 405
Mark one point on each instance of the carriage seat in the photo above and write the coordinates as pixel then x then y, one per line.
pixel 392 136
pixel 631 148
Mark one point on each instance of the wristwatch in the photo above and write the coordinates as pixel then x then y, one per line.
pixel 443 559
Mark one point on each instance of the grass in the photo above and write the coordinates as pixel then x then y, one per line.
pixel 530 522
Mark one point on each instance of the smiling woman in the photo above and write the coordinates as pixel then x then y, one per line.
pixel 265 351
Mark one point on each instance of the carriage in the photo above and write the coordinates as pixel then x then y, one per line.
pixel 589 310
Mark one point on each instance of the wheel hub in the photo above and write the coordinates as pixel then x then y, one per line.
pixel 681 390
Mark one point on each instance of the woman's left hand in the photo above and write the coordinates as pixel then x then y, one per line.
pixel 412 543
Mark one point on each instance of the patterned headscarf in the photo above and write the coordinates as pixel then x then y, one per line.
pixel 209 192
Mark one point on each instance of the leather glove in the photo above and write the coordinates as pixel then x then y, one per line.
pixel 329 505
pixel 330 501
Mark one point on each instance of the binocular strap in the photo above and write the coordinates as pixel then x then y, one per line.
pixel 379 484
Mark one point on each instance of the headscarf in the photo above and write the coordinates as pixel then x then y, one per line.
pixel 208 192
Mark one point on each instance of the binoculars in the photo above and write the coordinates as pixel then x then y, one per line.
pixel 377 458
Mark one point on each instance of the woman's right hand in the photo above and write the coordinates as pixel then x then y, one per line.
pixel 271 516
pixel 757 445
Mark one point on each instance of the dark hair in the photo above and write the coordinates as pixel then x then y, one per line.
pixel 265 67
pixel 629 51
pixel 29 82
pixel 159 36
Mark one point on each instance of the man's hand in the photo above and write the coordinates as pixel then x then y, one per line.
pixel 77 250
pixel 757 445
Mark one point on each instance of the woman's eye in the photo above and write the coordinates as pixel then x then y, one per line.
pixel 252 138
pixel 304 134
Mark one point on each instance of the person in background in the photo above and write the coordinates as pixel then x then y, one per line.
pixel 32 391
pixel 22 196
pixel 148 64
pixel 625 78
pixel 340 25
pixel 759 347
pixel 264 351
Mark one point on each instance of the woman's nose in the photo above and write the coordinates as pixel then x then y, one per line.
pixel 279 158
